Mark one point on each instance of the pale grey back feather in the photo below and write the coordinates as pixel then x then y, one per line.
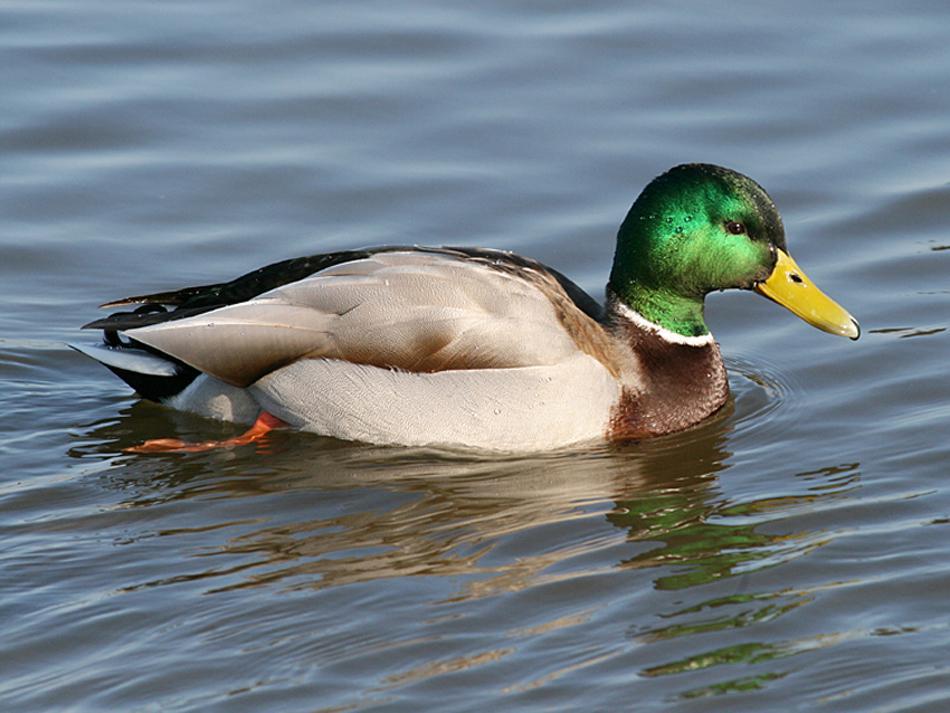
pixel 409 310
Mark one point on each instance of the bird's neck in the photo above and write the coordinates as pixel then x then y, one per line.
pixel 674 313
pixel 679 380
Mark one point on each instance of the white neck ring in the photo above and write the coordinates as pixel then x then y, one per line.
pixel 663 333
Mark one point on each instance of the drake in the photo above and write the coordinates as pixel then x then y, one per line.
pixel 473 347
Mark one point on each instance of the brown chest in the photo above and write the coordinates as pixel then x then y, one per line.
pixel 681 385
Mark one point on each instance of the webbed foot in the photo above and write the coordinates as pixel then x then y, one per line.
pixel 264 424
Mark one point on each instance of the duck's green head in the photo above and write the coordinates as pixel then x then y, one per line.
pixel 699 228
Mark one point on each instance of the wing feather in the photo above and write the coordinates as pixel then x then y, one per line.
pixel 404 310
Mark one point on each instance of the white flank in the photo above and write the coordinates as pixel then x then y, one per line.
pixel 662 332
pixel 208 397
pixel 521 409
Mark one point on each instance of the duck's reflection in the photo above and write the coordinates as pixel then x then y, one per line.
pixel 507 520
pixel 315 513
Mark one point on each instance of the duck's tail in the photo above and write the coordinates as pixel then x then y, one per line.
pixel 153 375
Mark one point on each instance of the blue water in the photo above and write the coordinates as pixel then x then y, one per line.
pixel 790 554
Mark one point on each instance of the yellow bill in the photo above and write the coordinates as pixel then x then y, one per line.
pixel 791 288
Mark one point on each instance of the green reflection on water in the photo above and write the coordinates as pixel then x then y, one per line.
pixel 747 653
pixel 737 685
pixel 708 539
pixel 747 616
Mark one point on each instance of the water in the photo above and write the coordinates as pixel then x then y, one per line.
pixel 790 554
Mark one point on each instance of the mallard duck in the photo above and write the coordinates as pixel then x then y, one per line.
pixel 470 346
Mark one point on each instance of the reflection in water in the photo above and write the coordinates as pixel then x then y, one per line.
pixel 908 332
pixel 445 512
pixel 496 526
pixel 713 541
pixel 661 492
pixel 709 542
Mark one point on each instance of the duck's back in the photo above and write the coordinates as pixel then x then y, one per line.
pixel 415 311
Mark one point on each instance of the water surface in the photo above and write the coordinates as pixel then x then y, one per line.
pixel 790 554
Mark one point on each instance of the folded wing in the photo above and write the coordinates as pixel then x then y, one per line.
pixel 409 310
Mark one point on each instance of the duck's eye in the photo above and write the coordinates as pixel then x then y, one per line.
pixel 734 227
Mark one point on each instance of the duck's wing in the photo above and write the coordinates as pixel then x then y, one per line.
pixel 419 310
pixel 189 301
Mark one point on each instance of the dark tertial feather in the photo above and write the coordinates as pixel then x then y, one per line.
pixel 120 321
pixel 192 301
pixel 246 286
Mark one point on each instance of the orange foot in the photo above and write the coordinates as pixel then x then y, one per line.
pixel 262 426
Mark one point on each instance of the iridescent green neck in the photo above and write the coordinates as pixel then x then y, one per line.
pixel 682 315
